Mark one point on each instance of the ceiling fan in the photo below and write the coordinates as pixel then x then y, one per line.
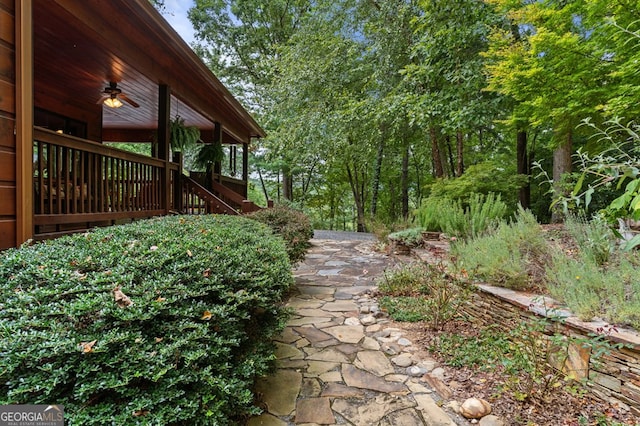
pixel 112 97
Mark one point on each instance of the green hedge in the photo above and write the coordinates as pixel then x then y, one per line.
pixel 292 225
pixel 204 292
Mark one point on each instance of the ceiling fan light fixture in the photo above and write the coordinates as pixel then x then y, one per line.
pixel 113 101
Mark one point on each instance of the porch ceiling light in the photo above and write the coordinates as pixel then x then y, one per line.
pixel 113 101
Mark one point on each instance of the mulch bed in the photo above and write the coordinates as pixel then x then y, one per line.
pixel 559 407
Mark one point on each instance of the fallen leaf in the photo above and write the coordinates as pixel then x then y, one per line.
pixel 189 253
pixel 121 299
pixel 87 346
pixel 206 316
pixel 160 299
pixel 207 272
pixel 138 413
pixel 159 339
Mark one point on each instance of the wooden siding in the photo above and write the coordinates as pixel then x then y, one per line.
pixel 7 125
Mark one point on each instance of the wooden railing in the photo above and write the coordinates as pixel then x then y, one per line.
pixel 198 200
pixel 236 199
pixel 231 191
pixel 80 182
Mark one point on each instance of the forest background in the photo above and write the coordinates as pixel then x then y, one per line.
pixel 373 107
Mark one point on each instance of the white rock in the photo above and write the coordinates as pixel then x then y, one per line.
pixel 438 373
pixel 416 371
pixel 475 408
pixel 404 342
pixel 368 320
pixel 454 406
pixel 352 321
pixel 402 360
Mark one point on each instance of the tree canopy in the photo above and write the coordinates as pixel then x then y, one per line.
pixel 372 106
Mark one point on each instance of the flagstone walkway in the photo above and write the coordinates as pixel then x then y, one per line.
pixel 340 362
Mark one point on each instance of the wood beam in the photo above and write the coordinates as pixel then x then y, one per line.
pixel 24 120
pixel 245 166
pixel 164 112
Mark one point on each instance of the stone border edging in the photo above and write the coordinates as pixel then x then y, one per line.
pixel 614 379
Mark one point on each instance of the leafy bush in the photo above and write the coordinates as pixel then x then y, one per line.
pixel 165 321
pixel 483 178
pixel 292 225
pixel 514 255
pixel 423 292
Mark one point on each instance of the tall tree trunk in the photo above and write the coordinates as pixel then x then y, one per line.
pixel 287 185
pixel 264 187
pixel 435 153
pixel 358 198
pixel 449 159
pixel 376 173
pixel 404 182
pixel 561 166
pixel 523 168
pixel 460 152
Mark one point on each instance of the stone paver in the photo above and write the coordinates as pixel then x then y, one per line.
pixel 339 361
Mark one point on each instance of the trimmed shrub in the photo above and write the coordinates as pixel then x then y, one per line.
pixel 292 225
pixel 164 321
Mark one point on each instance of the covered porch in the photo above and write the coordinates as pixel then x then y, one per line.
pixel 83 48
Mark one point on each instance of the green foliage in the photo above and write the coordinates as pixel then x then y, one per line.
pixel 514 255
pixel 591 290
pixel 432 212
pixel 182 136
pixel 163 321
pixel 459 220
pixel 483 178
pixel 208 155
pixel 406 308
pixel 618 164
pixel 292 225
pixel 411 237
pixel 135 147
pixel 595 238
pixel 487 349
pixel 423 292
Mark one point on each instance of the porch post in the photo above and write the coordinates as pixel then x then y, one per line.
pixel 164 112
pixel 24 120
pixel 245 167
pixel 217 138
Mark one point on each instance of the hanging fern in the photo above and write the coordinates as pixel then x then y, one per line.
pixel 181 135
pixel 209 154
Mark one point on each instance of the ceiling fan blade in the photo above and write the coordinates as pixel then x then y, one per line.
pixel 129 100
pixel 102 99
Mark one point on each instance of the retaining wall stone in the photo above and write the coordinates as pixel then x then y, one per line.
pixel 614 377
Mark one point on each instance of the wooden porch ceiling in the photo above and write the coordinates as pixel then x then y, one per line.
pixel 82 45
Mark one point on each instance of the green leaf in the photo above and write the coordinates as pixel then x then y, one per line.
pixel 578 186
